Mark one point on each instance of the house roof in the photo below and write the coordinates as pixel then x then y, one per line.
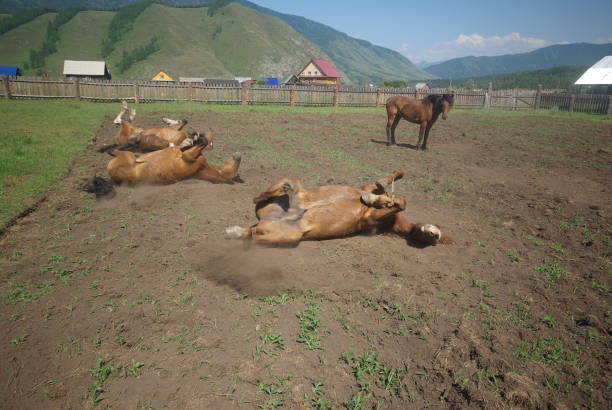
pixel 74 67
pixel 210 81
pixel 162 76
pixel 5 70
pixel 327 69
pixel 271 80
pixel 599 73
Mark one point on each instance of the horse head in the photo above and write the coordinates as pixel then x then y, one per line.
pixel 447 103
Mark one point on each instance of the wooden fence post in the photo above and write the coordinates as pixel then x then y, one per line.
pixel 7 88
pixel 190 92
pixel 609 105
pixel 136 93
pixel 292 96
pixel 336 97
pixel 77 89
pixel 244 95
pixel 488 94
pixel 417 95
pixel 378 97
pixel 538 97
pixel 514 92
pixel 572 101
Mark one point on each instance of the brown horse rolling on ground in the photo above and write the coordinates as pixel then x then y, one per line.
pixel 424 112
pixel 170 165
pixel 132 138
pixel 289 213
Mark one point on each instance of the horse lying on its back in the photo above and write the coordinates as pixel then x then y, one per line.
pixel 288 213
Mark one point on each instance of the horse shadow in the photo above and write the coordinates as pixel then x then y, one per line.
pixel 402 145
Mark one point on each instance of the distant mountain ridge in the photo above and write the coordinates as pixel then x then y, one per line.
pixel 359 60
pixel 547 57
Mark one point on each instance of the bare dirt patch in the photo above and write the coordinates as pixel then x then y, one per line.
pixel 139 302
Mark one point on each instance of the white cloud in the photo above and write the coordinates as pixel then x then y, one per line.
pixel 478 45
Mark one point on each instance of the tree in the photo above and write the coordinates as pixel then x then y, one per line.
pixel 394 83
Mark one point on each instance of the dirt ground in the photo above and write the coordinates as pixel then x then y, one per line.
pixel 140 302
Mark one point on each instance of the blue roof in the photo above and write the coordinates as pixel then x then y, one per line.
pixel 8 70
pixel 271 80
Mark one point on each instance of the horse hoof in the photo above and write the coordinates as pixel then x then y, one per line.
pixel 233 232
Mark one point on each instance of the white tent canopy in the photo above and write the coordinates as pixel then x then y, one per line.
pixel 599 73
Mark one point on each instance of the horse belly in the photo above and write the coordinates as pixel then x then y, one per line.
pixel 333 220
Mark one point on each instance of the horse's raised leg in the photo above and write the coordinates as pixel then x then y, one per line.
pixel 375 217
pixel 379 186
pixel 271 232
pixel 225 174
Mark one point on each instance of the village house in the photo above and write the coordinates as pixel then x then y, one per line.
pixel 599 74
pixel 319 71
pixel 161 76
pixel 86 69
pixel 9 70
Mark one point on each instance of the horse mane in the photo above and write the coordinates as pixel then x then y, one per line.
pixel 437 99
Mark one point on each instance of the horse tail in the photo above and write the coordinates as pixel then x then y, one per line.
pixel 107 148
pixel 101 187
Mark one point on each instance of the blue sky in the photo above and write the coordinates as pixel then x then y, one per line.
pixel 440 30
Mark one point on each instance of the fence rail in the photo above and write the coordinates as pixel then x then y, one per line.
pixel 145 91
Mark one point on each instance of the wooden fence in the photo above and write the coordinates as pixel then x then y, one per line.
pixel 145 91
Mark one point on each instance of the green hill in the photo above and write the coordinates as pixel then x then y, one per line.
pixel 80 39
pixel 547 57
pixel 360 60
pixel 551 78
pixel 16 44
pixel 241 39
pixel 235 41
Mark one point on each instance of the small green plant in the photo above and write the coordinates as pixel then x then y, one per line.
pixel 557 248
pixel 281 298
pixel 357 401
pixel 71 347
pixel 15 255
pixel 184 298
pixel 367 368
pixel 268 340
pixel 513 256
pixel 599 287
pixel 548 320
pixel 484 286
pixel 133 369
pixel 309 323
pixel 274 391
pixel 316 401
pixel 63 274
pixel 552 270
pixel 547 350
pixel 99 373
pixel 20 339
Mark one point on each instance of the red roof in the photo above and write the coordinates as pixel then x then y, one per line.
pixel 326 68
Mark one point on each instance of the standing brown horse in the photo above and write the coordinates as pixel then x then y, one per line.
pixel 424 112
